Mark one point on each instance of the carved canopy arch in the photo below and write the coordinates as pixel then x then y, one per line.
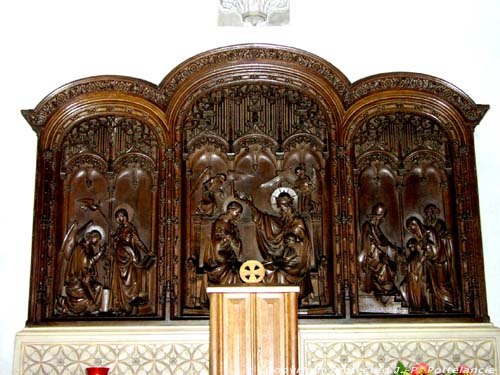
pixel 421 85
pixel 72 92
pixel 404 151
pixel 448 116
pixel 89 106
pixel 254 63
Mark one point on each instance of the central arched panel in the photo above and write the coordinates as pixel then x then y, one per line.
pixel 249 131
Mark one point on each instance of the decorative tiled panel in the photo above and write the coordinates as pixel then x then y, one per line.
pixel 365 350
pixel 125 350
pixel 381 357
pixel 136 359
pixel 323 349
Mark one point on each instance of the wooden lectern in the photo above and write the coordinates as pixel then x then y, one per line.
pixel 253 330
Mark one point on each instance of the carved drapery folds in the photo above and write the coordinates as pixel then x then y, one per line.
pixel 362 194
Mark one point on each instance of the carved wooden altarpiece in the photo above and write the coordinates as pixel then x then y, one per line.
pixel 364 194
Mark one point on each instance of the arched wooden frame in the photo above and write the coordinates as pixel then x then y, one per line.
pixel 458 168
pixel 164 110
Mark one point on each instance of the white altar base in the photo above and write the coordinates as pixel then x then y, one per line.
pixel 324 348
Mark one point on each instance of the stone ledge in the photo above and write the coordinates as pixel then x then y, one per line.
pixel 323 348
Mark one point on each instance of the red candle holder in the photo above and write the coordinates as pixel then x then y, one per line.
pixel 97 370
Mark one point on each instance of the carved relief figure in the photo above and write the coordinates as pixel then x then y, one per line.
pixel 82 291
pixel 304 186
pixel 131 258
pixel 284 242
pixel 288 266
pixel 416 279
pixel 213 192
pixel 437 263
pixel 378 257
pixel 222 259
pixel 255 118
pixel 432 219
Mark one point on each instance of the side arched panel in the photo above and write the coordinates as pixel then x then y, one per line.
pixel 97 265
pixel 407 245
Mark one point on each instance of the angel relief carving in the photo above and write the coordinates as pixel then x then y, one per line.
pixel 106 266
pixel 98 278
pixel 255 162
pixel 212 195
pixel 305 187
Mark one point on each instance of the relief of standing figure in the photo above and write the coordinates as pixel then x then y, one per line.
pixel 416 278
pixel 436 261
pixel 304 186
pixel 132 258
pixel 433 220
pixel 377 257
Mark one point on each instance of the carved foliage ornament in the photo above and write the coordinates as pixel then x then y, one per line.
pixel 39 116
pixel 255 11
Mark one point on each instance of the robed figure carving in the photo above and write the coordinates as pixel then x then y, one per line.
pixel 222 258
pixel 81 251
pixel 378 257
pixel 416 282
pixel 305 186
pixel 132 257
pixel 284 242
pixel 437 269
pixel 447 253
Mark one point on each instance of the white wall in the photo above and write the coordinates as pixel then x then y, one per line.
pixel 45 44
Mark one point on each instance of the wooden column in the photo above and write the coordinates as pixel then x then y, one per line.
pixel 253 330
